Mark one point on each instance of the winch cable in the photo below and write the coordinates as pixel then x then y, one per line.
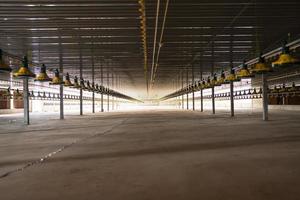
pixel 154 43
pixel 160 40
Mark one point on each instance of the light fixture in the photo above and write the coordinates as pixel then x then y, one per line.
pixel 191 88
pixel 17 94
pixel 68 82
pixel 221 79
pixel 88 86
pixel 254 91
pixel 294 88
pixel 199 85
pixel 214 81
pixel 195 87
pixel 82 85
pixel 24 71
pixel 3 66
pixel 56 80
pixel 97 88
pixel 101 89
pixel 76 84
pixel 285 58
pixel 261 66
pixel 231 77
pixel 282 89
pixel 93 87
pixel 275 89
pixel 6 93
pixel 42 76
pixel 203 84
pixel 208 83
pixel 244 72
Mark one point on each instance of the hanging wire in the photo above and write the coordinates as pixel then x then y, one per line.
pixel 154 43
pixel 160 40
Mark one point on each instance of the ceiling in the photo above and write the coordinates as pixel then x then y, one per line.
pixel 107 33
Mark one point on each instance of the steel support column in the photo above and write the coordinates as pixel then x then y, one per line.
pixel 182 96
pixel 102 96
pixel 107 87
pixel 201 100
pixel 231 82
pixel 80 76
pixel 177 88
pixel 26 101
pixel 93 102
pixel 231 99
pixel 212 76
pixel 61 86
pixel 81 102
pixel 116 87
pixel 265 96
pixel 119 89
pixel 193 92
pixel 201 90
pixel 213 100
pixel 187 92
pixel 112 87
pixel 93 79
pixel 61 101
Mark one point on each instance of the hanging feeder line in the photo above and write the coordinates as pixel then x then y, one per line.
pixel 292 45
pixel 111 92
pixel 66 96
pixel 47 95
pixel 253 93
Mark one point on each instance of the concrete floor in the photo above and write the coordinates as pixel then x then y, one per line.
pixel 151 155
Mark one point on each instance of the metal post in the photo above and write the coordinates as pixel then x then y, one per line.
pixel 182 97
pixel 112 87
pixel 80 76
pixel 265 97
pixel 93 102
pixel 117 89
pixel 26 101
pixel 61 101
pixel 177 88
pixel 201 100
pixel 201 90
pixel 174 88
pixel 107 87
pixel 193 80
pixel 213 100
pixel 81 101
pixel 212 76
pixel 61 87
pixel 231 99
pixel 102 108
pixel 231 82
pixel 187 92
pixel 193 100
pixel 93 79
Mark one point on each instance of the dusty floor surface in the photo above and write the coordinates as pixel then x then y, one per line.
pixel 151 155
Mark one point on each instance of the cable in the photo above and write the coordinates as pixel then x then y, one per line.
pixel 160 41
pixel 154 43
